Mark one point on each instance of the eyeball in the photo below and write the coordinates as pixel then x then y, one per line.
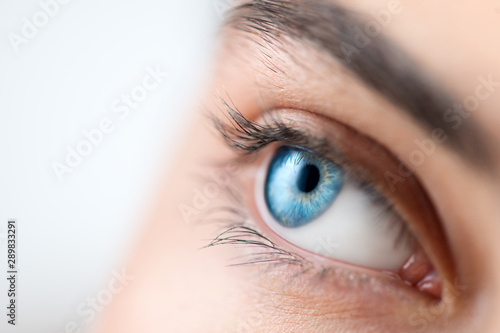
pixel 318 206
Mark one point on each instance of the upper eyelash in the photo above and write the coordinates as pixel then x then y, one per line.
pixel 248 136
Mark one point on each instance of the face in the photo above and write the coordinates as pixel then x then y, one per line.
pixel 341 177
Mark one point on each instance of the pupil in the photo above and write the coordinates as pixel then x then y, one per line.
pixel 308 178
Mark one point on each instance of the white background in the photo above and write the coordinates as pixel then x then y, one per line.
pixel 74 233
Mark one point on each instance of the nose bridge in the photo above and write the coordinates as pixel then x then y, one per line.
pixel 492 280
pixel 492 324
pixel 480 265
pixel 487 306
pixel 494 310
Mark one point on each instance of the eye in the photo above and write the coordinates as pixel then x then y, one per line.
pixel 320 206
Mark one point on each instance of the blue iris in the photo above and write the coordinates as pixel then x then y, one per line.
pixel 300 186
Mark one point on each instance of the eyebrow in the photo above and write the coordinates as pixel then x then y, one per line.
pixel 380 64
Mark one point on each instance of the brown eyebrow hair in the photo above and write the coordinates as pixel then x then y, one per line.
pixel 381 64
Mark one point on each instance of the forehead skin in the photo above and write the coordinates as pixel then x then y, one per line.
pixel 455 41
pixel 180 289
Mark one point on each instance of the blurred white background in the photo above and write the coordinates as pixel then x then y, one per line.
pixel 65 77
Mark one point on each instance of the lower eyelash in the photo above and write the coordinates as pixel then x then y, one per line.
pixel 237 230
pixel 247 236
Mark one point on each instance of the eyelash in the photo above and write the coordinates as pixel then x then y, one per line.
pixel 248 138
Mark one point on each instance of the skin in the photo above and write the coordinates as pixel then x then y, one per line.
pixel 180 288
